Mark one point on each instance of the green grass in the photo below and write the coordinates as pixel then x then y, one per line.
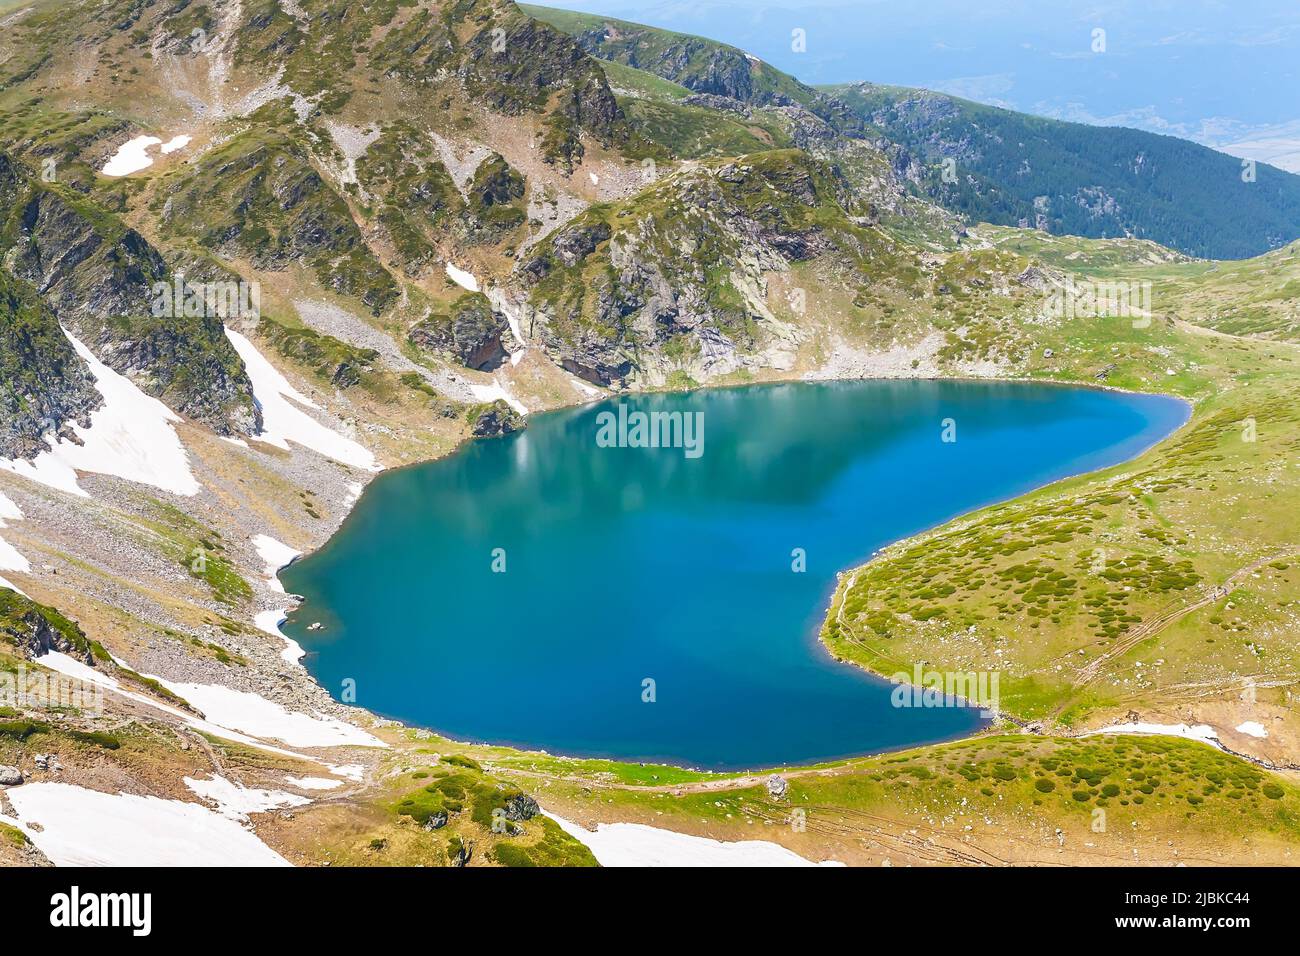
pixel 610 771
pixel 19 615
pixel 693 132
pixel 328 358
pixel 201 551
pixel 471 801
pixel 1006 789
pixel 1057 578
pixel 11 834
pixel 643 84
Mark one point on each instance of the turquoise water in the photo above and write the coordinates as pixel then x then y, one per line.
pixel 628 563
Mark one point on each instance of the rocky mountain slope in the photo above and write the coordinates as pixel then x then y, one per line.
pixel 45 383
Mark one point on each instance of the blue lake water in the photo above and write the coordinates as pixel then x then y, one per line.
pixel 623 564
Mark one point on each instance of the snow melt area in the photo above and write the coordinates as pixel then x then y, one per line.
pixel 130 436
pixel 77 670
pixel 634 844
pixel 490 393
pixel 283 421
pixel 269 622
pixel 131 157
pixel 8 510
pixel 237 802
pixel 80 827
pixel 277 555
pixel 260 717
pixel 462 278
pixel 1252 728
pixel 10 559
pixel 71 667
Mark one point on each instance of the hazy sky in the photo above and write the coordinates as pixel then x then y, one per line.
pixel 1216 72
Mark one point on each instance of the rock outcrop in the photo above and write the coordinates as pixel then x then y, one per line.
pixel 35 629
pixel 496 418
pixel 44 384
pixel 471 333
pixel 676 277
pixel 99 277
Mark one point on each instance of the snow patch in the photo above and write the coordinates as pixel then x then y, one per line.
pixel 277 555
pixel 1252 728
pixel 260 717
pixel 499 302
pixel 354 493
pixel 81 827
pixel 462 278
pixel 176 143
pixel 72 667
pixel 236 802
pixel 131 157
pixel 8 510
pixel 77 670
pixel 269 622
pixel 283 421
pixel 583 388
pixel 131 437
pixel 490 393
pixel 634 844
pixel 353 771
pixel 10 559
pixel 314 783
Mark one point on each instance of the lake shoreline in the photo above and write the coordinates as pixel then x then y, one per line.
pixel 818 615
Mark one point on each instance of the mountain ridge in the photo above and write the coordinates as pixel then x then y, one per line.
pixel 1193 198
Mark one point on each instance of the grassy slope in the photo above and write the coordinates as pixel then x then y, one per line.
pixel 1067 586
pixel 653 109
pixel 651 42
pixel 1255 297
pixel 1101 800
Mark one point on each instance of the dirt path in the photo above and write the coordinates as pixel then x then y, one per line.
pixel 1092 670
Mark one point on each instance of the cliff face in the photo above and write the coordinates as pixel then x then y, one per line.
pixel 34 629
pixel 44 384
pixel 470 334
pixel 98 277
